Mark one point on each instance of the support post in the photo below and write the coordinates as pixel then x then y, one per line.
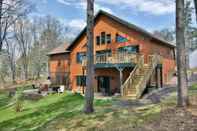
pixel 83 88
pixel 120 69
pixel 156 77
pixel 121 80
pixel 161 77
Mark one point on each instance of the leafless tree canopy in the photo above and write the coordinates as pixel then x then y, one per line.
pixel 10 11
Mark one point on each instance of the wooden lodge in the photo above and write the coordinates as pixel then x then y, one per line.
pixel 127 59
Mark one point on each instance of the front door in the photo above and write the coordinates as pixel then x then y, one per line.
pixel 104 85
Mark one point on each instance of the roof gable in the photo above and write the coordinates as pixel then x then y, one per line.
pixel 124 23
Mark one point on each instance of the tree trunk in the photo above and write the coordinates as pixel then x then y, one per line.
pixel 195 5
pixel 26 71
pixel 25 66
pixel 13 69
pixel 1 41
pixel 89 93
pixel 182 91
pixel 187 43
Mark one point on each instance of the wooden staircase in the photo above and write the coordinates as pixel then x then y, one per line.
pixel 138 79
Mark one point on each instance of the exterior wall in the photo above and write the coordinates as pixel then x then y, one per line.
pixel 59 68
pixel 114 78
pixel 76 68
pixel 147 47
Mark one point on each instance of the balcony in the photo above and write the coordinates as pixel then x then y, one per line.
pixel 114 60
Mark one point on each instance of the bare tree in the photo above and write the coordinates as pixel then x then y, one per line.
pixel 4 70
pixel 10 11
pixel 183 99
pixel 166 34
pixel 11 55
pixel 89 93
pixel 22 31
pixel 47 34
pixel 36 52
pixel 188 10
pixel 51 34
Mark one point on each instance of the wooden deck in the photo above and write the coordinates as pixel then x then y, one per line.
pixel 113 60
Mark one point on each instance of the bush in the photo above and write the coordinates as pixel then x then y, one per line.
pixel 19 100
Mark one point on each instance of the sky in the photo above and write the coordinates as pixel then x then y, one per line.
pixel 148 14
pixel 193 59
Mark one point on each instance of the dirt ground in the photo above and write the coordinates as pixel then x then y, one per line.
pixel 175 119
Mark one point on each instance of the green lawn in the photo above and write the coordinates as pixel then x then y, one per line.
pixel 36 114
pixel 64 112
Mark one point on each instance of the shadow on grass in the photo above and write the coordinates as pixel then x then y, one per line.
pixel 42 114
pixel 4 99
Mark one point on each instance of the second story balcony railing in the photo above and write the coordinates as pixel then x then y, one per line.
pixel 115 58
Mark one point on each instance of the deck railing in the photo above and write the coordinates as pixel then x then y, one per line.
pixel 154 60
pixel 115 58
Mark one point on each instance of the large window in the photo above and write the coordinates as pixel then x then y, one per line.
pixel 80 57
pixel 103 52
pixel 81 80
pixel 102 37
pixel 129 49
pixel 120 39
pixel 98 40
pixel 108 38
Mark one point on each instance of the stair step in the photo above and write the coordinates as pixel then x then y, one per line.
pixel 139 76
pixel 131 91
pixel 131 96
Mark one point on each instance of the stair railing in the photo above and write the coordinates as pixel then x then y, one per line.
pixel 128 83
pixel 152 63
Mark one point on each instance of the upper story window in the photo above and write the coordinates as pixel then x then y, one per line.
pixel 80 57
pixel 129 49
pixel 103 53
pixel 120 39
pixel 108 40
pixel 102 37
pixel 98 40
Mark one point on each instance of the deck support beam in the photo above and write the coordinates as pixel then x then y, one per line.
pixel 120 69
pixel 158 77
pixel 161 77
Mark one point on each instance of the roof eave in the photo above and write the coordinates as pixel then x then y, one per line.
pixel 50 54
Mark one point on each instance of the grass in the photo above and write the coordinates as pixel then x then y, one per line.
pixel 193 87
pixel 36 114
pixel 64 112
